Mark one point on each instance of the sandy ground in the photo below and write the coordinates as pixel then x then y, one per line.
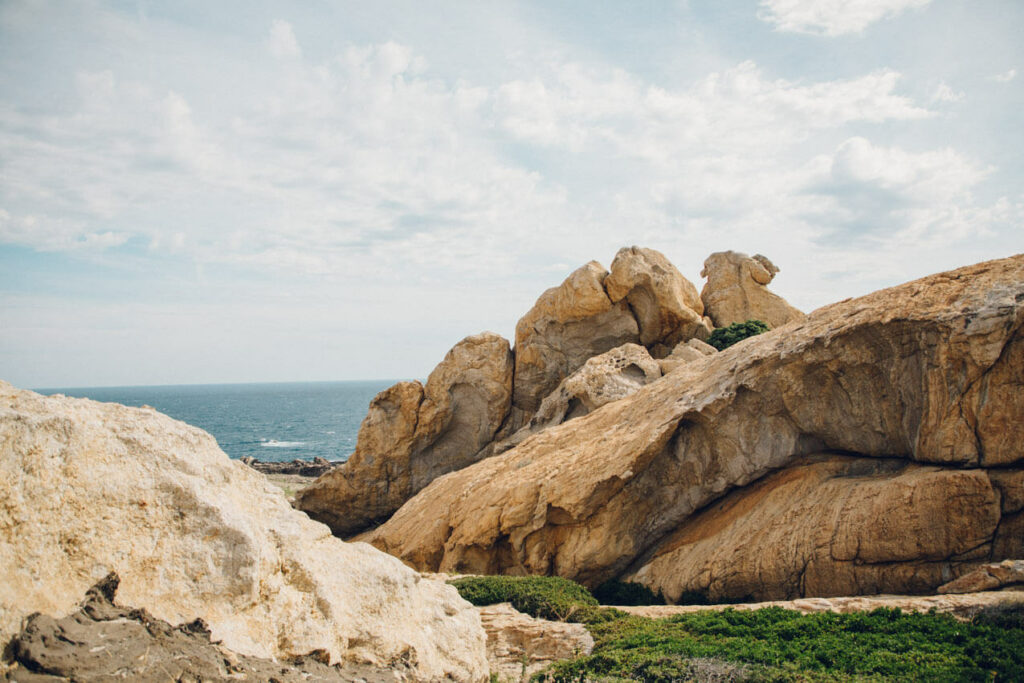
pixel 290 483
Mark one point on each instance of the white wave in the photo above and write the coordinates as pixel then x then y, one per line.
pixel 274 443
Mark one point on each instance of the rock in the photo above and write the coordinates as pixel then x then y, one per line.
pixel 89 488
pixel 849 526
pixel 302 468
pixel 684 353
pixel 105 642
pixel 611 376
pixel 736 291
pixel 519 645
pixel 665 304
pixel 568 325
pixel 962 607
pixel 987 577
pixel 413 434
pixel 924 372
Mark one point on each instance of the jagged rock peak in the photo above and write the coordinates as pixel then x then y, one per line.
pixel 736 290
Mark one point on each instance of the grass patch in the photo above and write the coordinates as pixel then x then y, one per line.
pixel 770 644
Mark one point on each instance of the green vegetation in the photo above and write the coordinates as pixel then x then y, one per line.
pixel 547 597
pixel 770 644
pixel 626 593
pixel 724 337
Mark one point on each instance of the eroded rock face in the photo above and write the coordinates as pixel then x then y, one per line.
pixel 665 304
pixel 611 376
pixel 988 577
pixel 413 434
pixel 736 291
pixel 519 645
pixel 568 325
pixel 89 488
pixel 828 526
pixel 923 372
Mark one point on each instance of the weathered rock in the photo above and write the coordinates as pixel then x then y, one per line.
pixel 519 645
pixel 964 607
pixel 300 468
pixel 665 304
pixel 568 325
pixel 611 376
pixel 413 434
pixel 826 526
pixel 105 642
pixel 988 577
pixel 88 488
pixel 736 291
pixel 923 372
pixel 683 353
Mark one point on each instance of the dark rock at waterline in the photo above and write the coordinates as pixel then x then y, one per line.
pixel 303 468
pixel 103 641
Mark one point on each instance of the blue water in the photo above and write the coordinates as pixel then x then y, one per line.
pixel 281 421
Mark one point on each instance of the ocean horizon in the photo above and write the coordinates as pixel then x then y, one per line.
pixel 270 421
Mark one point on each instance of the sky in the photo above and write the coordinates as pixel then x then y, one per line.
pixel 200 192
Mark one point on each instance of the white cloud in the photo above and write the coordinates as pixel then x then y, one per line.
pixel 831 17
pixel 1005 77
pixel 945 93
pixel 282 40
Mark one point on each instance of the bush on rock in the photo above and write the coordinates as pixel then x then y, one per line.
pixel 724 337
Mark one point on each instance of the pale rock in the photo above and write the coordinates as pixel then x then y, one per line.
pixel 666 305
pixel 568 325
pixel 987 577
pixel 519 645
pixel 611 376
pixel 963 607
pixel 927 371
pixel 682 354
pixel 89 488
pixel 413 434
pixel 736 291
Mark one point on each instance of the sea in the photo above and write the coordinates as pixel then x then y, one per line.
pixel 271 422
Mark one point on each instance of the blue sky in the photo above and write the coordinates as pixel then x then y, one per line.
pixel 257 191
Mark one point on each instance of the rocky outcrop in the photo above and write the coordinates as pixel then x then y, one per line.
pixel 568 325
pixel 736 291
pixel 848 526
pixel 519 645
pixel 611 376
pixel 927 372
pixel 89 488
pixel 300 468
pixel 683 353
pixel 105 642
pixel 989 577
pixel 665 304
pixel 414 433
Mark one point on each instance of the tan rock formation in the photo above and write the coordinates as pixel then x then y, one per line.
pixel 568 325
pixel 988 577
pixel 665 304
pixel 685 352
pixel 413 434
pixel 922 371
pixel 830 525
pixel 736 291
pixel 89 488
pixel 519 645
pixel 611 376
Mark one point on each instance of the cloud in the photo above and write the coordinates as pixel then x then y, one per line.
pixel 831 17
pixel 944 93
pixel 282 40
pixel 1005 77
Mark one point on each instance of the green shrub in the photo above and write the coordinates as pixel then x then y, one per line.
pixel 616 592
pixel 724 337
pixel 546 597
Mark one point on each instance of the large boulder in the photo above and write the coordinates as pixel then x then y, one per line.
pixel 927 372
pixel 611 376
pixel 414 433
pixel 666 305
pixel 90 488
pixel 569 324
pixel 737 291
pixel 848 526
